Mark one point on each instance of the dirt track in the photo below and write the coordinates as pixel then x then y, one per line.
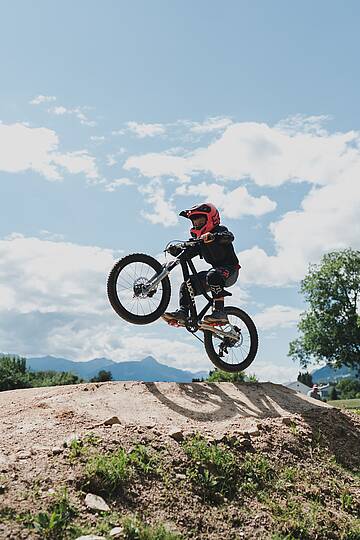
pixel 291 434
pixel 43 417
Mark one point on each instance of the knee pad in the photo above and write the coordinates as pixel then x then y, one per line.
pixel 215 282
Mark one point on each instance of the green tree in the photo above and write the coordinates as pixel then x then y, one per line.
pixel 53 378
pixel 329 330
pixel 13 373
pixel 102 376
pixel 349 388
pixel 305 378
pixel 224 376
pixel 333 395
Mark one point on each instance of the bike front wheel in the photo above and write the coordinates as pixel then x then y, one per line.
pixel 237 350
pixel 126 288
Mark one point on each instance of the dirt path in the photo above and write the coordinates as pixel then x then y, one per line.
pixel 43 417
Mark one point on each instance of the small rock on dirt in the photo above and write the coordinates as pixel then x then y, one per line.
pixel 23 455
pixel 116 532
pixel 111 421
pixel 176 434
pixel 4 463
pixel 90 537
pixel 253 430
pixel 70 438
pixel 56 450
pixel 96 503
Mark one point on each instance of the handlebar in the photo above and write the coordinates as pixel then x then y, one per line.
pixel 184 245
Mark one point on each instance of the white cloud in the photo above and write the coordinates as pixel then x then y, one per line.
pixel 154 165
pixel 47 235
pixel 276 317
pixel 164 212
pixel 297 149
pixel 42 99
pixel 329 219
pixel 146 130
pixel 232 203
pixel 48 276
pixel 306 124
pixel 211 124
pixel 59 110
pixel 97 138
pixel 269 156
pixel 79 162
pixel 78 112
pixel 54 302
pixel 118 132
pixel 112 186
pixel 23 148
pixel 110 160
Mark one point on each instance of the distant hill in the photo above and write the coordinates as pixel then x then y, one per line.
pixel 146 370
pixel 327 374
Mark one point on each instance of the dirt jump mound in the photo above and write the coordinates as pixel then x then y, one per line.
pixel 176 461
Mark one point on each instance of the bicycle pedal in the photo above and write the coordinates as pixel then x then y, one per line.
pixel 215 323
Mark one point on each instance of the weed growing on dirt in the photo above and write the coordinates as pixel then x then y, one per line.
pixel 7 514
pixel 108 473
pixel 144 461
pixel 294 428
pixel 346 500
pixel 111 473
pixel 80 447
pixel 212 468
pixel 257 473
pixel 134 529
pixel 54 523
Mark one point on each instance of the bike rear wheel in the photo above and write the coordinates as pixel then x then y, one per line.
pixel 231 354
pixel 125 289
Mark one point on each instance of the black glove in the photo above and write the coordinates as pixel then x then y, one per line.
pixel 174 250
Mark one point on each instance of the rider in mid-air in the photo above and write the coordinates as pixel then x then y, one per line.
pixel 217 249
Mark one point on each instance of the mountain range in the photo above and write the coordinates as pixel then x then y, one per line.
pixel 327 374
pixel 146 370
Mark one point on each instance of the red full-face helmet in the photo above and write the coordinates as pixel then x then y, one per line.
pixel 204 209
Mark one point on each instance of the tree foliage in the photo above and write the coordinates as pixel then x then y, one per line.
pixel 217 375
pixel 102 376
pixel 348 388
pixel 330 329
pixel 14 374
pixel 305 378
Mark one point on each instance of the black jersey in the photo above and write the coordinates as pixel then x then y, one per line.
pixel 219 252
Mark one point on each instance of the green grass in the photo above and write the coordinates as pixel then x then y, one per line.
pixel 56 522
pixel 212 468
pixel 346 403
pixel 134 529
pixel 111 473
pixel 217 472
pixel 80 447
pixel 257 474
pixel 144 461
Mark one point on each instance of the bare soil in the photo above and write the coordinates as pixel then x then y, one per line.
pixel 312 450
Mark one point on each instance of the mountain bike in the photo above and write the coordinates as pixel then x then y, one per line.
pixel 139 291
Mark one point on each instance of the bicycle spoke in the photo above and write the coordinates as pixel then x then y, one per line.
pixel 130 279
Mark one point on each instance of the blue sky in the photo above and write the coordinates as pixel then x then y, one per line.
pixel 117 115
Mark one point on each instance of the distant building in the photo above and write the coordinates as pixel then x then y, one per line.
pixel 298 387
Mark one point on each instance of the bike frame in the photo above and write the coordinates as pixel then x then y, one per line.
pixel 186 264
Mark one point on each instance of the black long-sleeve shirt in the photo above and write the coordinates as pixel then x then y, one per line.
pixel 220 252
